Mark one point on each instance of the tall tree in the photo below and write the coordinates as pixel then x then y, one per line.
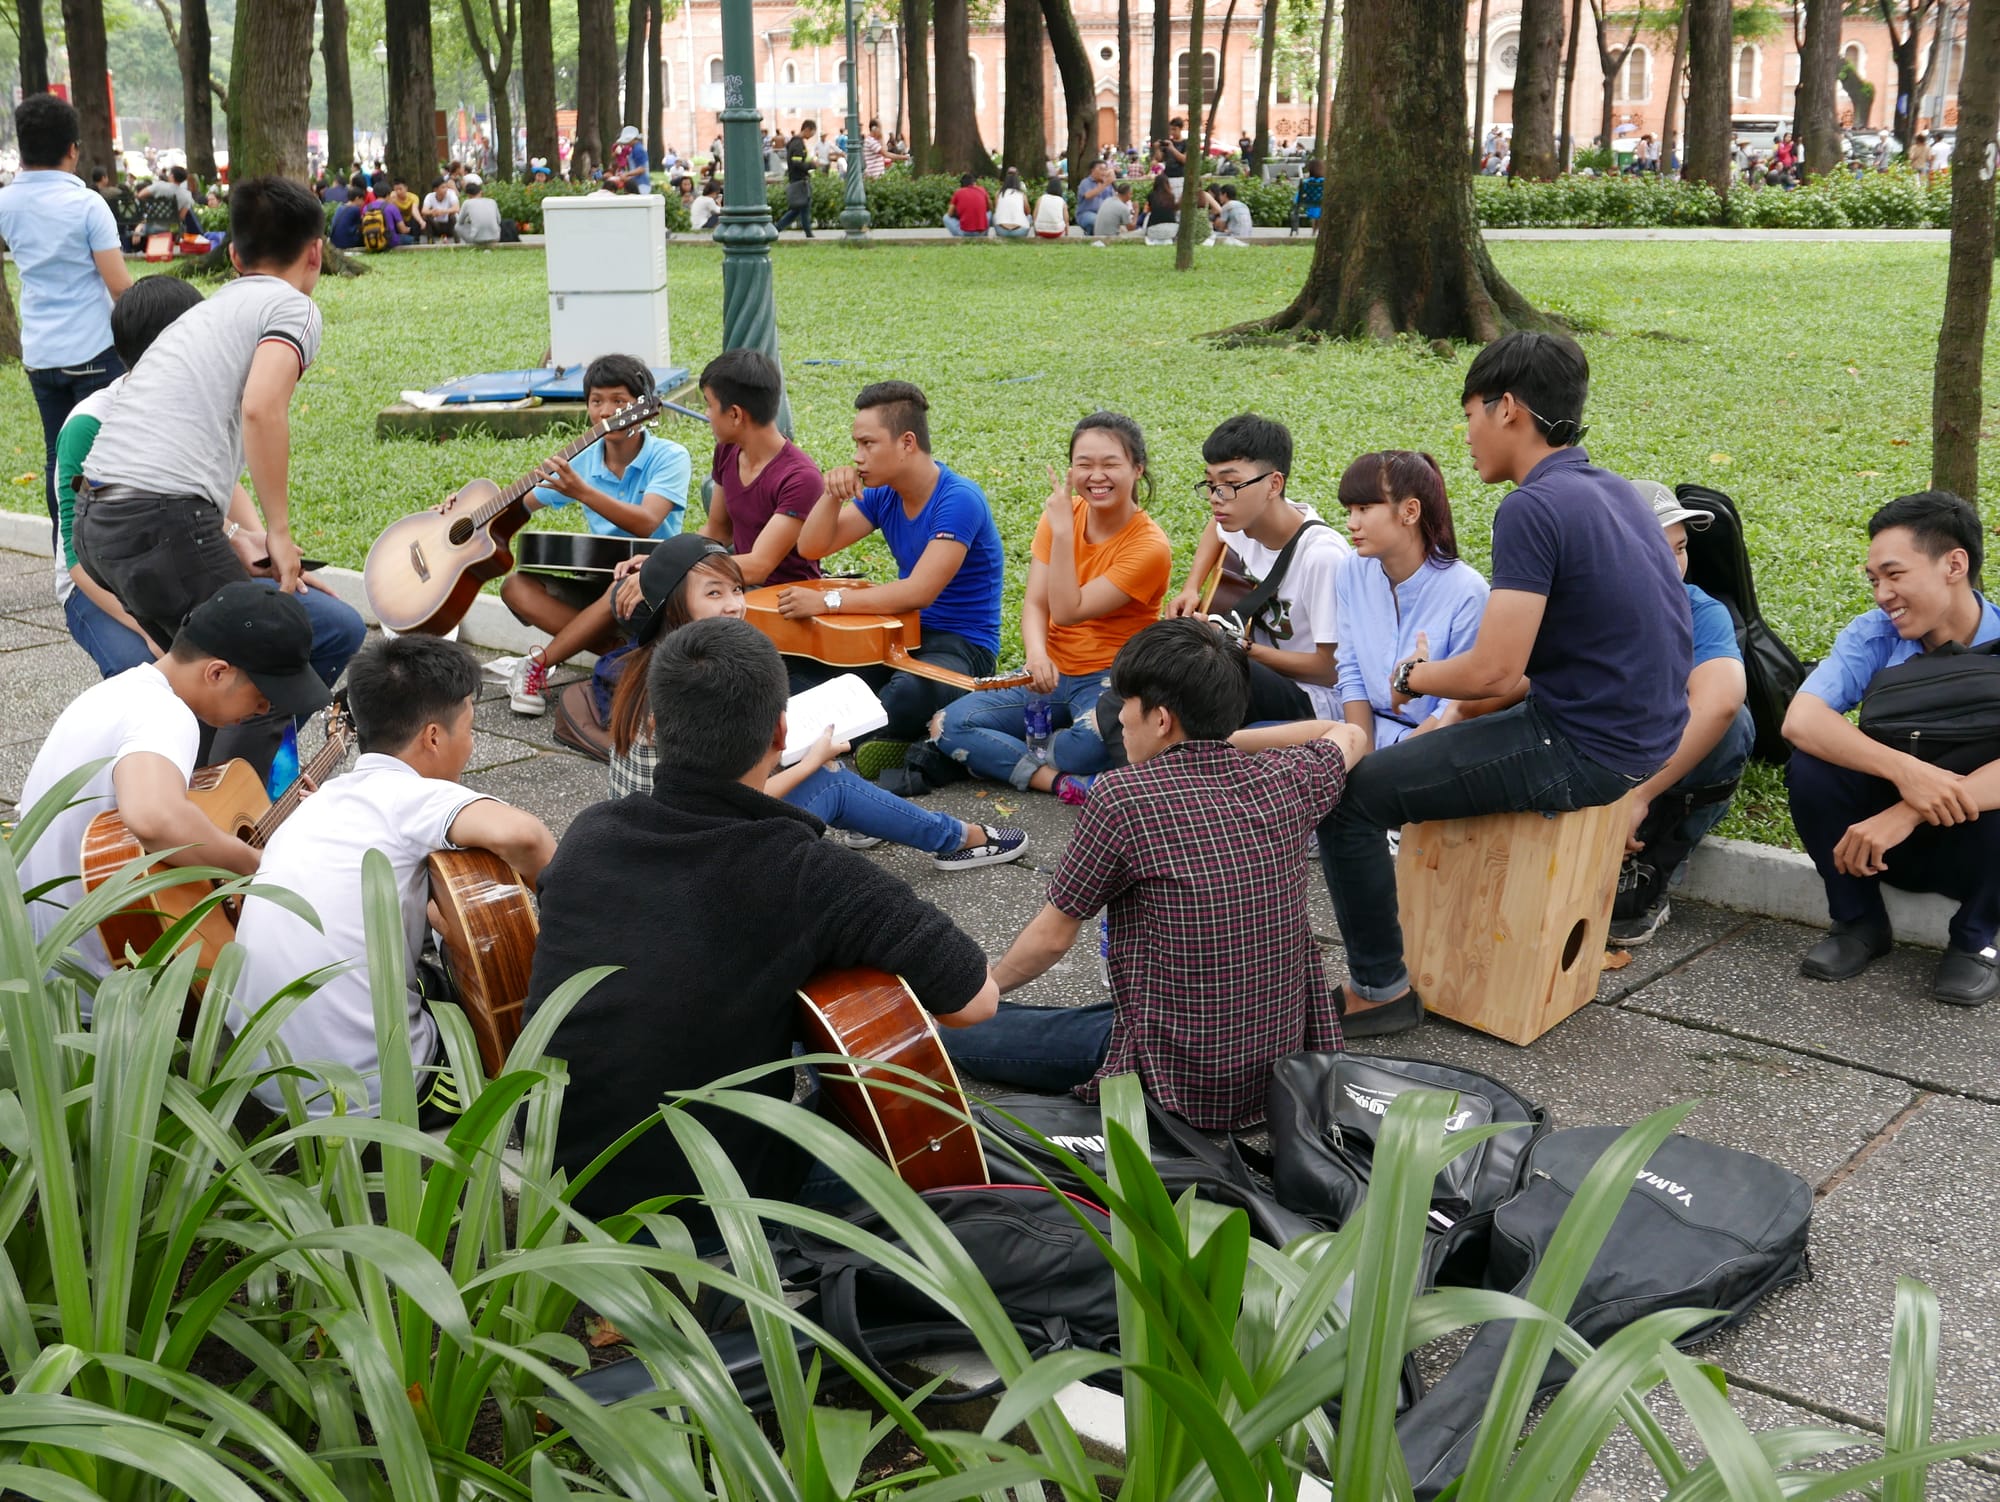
pixel 1478 83
pixel 34 48
pixel 1163 70
pixel 1860 93
pixel 1676 71
pixel 1818 119
pixel 1024 139
pixel 1904 20
pixel 656 85
pixel 1323 80
pixel 634 109
pixel 1267 65
pixel 1565 135
pixel 267 122
pixel 959 148
pixel 538 83
pixel 1124 73
pixel 1079 85
pixel 412 91
pixel 1611 61
pixel 496 66
pixel 1706 159
pixel 193 45
pixel 89 81
pixel 1193 226
pixel 1399 248
pixel 596 86
pixel 917 70
pixel 1207 136
pixel 1957 395
pixel 339 85
pixel 603 36
pixel 1535 75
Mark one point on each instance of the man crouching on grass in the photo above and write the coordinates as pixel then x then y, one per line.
pixel 1200 851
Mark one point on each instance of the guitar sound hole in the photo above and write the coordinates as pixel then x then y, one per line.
pixel 460 532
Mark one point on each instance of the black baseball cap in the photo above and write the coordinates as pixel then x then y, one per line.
pixel 661 574
pixel 266 635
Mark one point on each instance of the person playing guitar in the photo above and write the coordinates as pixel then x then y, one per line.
pixel 727 902
pixel 244 652
pixel 411 698
pixel 633 484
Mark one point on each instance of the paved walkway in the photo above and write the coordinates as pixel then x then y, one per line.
pixel 1886 1102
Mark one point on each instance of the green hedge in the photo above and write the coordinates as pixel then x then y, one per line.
pixel 1875 200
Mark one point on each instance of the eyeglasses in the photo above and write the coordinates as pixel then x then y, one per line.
pixel 1224 492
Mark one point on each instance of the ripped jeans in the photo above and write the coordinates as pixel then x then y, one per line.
pixel 988 732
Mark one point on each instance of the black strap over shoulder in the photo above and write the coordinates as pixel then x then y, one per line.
pixel 1253 604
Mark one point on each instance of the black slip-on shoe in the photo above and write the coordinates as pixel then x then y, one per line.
pixel 1847 950
pixel 1966 979
pixel 1397 1016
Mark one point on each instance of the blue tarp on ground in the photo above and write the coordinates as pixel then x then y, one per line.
pixel 547 384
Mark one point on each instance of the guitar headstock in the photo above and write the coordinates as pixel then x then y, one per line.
pixel 338 723
pixel 633 414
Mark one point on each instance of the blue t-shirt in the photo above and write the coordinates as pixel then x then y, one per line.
pixel 1869 643
pixel 1379 625
pixel 661 467
pixel 956 512
pixel 54 224
pixel 345 232
pixel 1611 661
pixel 1714 631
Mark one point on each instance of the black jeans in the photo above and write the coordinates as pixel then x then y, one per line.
pixel 910 700
pixel 57 391
pixel 1273 696
pixel 1515 761
pixel 1962 861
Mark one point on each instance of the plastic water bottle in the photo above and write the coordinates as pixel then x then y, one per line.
pixel 1038 719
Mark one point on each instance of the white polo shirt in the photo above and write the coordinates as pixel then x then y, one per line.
pixel 383 804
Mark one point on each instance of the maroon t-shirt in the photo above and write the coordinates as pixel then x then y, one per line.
pixel 788 485
pixel 969 204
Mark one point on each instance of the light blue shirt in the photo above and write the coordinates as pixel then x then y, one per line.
pixel 1869 643
pixel 661 467
pixel 53 223
pixel 1379 622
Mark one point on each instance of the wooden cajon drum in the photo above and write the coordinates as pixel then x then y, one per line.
pixel 1505 915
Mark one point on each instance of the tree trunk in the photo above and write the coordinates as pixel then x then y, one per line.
pixel 1079 85
pixel 1818 119
pixel 538 84
pixel 1024 140
pixel 267 121
pixel 89 85
pixel 588 146
pixel 1163 70
pixel 1706 159
pixel 1933 57
pixel 197 98
pixel 1861 93
pixel 1957 397
pixel 339 82
pixel 1903 47
pixel 1609 60
pixel 412 91
pixel 1478 84
pixel 1124 74
pixel 633 111
pixel 1399 248
pixel 1670 129
pixel 656 88
pixel 917 70
pixel 1564 138
pixel 1323 82
pixel 34 48
pixel 1193 226
pixel 959 148
pixel 1535 75
pixel 1267 67
pixel 10 321
pixel 496 66
pixel 1221 74
pixel 605 34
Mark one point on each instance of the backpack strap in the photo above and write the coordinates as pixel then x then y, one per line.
pixel 839 1311
pixel 1253 604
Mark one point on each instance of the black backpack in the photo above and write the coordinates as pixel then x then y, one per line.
pixel 1941 706
pixel 1719 566
pixel 1703 1227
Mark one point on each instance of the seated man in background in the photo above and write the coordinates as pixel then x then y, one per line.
pixel 478 216
pixel 1115 216
pixel 1868 813
pixel 1677 805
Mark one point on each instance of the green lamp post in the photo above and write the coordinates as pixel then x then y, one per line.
pixel 749 315
pixel 855 216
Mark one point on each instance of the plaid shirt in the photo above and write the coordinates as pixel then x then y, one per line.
pixel 632 771
pixel 1203 854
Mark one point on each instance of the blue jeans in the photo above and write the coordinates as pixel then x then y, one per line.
pixel 848 801
pixel 1034 1048
pixel 1674 828
pixel 953 226
pixel 114 647
pixel 909 700
pixel 57 389
pixel 1515 761
pixel 988 733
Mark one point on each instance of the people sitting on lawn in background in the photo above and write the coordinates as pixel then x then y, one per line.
pixel 968 215
pixel 1100 569
pixel 630 484
pixel 1194 849
pixel 440 209
pixel 1092 194
pixel 1677 805
pixel 706 206
pixel 1292 634
pixel 1404 592
pixel 1115 217
pixel 1052 212
pixel 478 216
pixel 694 578
pixel 1870 814
pixel 1228 215
pixel 1010 215
pixel 409 207
pixel 1163 210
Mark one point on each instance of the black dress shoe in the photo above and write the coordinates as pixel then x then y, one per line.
pixel 1397 1016
pixel 1965 979
pixel 1847 951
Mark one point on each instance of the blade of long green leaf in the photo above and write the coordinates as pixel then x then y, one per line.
pixel 1913 1365
pixel 392 1419
pixel 70 1424
pixel 1747 1475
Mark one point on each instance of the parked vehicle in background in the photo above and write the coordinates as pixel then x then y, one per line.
pixel 1759 132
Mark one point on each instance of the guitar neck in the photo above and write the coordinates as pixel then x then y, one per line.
pixel 315 771
pixel 511 495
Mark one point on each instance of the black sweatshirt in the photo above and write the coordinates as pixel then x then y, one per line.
pixel 720 902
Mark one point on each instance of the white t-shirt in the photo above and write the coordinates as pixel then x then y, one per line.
pixel 383 804
pixel 1304 615
pixel 136 711
pixel 1012 211
pixel 703 211
pixel 1051 214
pixel 440 203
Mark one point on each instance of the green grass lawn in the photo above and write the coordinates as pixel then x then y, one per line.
pixel 1796 377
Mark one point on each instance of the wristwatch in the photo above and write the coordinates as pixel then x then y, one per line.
pixel 832 598
pixel 1401 682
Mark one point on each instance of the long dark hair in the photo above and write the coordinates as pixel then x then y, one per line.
pixel 1386 477
pixel 1130 438
pixel 630 705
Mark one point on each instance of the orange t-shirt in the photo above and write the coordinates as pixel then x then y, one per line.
pixel 1138 560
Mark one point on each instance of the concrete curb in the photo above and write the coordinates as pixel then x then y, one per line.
pixel 1736 874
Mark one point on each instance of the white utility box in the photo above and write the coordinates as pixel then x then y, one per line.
pixel 607 270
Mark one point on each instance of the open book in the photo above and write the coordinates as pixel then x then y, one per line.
pixel 845 703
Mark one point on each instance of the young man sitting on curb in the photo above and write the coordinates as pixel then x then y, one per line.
pixel 1867 813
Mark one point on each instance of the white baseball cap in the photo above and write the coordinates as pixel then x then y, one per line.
pixel 1667 508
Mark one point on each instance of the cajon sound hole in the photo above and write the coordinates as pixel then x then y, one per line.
pixel 1575 945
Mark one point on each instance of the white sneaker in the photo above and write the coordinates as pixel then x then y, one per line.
pixel 525 685
pixel 855 840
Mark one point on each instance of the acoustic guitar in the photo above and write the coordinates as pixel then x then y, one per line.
pixel 424 571
pixel 857 641
pixel 489 932
pixel 233 797
pixel 577 555
pixel 872 1015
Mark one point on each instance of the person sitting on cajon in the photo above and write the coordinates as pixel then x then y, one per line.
pixel 1868 813
pixel 1586 606
pixel 631 484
